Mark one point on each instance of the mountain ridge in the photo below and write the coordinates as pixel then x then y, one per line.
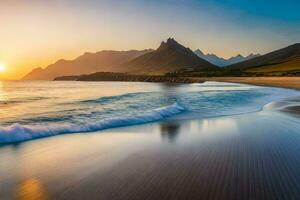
pixel 173 59
pixel 106 60
pixel 222 62
pixel 170 56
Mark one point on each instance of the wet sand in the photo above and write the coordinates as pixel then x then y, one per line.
pixel 289 106
pixel 292 110
pixel 242 157
pixel 285 82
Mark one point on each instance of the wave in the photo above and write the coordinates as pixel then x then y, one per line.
pixel 220 84
pixel 18 133
pixel 19 101
pixel 111 99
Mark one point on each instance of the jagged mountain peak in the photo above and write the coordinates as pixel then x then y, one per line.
pixel 171 42
pixel 199 52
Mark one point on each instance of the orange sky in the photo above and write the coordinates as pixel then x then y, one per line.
pixel 37 33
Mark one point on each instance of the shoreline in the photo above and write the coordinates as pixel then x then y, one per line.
pixel 284 82
pixel 11 129
pixel 105 76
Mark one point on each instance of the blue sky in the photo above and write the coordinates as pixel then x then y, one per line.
pixel 287 10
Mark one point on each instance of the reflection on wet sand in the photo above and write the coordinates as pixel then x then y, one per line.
pixel 218 126
pixel 169 130
pixel 31 189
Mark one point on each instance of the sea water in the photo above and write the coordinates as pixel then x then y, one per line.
pixel 34 109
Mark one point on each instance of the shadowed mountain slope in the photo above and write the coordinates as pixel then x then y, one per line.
pixel 286 59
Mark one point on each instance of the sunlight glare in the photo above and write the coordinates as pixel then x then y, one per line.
pixel 2 68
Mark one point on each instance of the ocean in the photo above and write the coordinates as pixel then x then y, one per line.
pixel 35 109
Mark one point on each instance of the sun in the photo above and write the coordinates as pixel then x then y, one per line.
pixel 2 68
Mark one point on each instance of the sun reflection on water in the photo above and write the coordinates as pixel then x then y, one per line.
pixel 2 97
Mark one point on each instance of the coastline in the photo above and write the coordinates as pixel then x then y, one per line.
pixel 107 76
pixel 284 82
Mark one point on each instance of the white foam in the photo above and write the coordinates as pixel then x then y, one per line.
pixel 18 133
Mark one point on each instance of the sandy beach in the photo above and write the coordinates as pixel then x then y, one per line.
pixel 242 157
pixel 284 82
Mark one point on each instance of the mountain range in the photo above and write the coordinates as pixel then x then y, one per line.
pixel 222 62
pixel 87 63
pixel 174 59
pixel 170 56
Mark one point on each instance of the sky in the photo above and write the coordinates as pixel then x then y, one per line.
pixel 35 33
